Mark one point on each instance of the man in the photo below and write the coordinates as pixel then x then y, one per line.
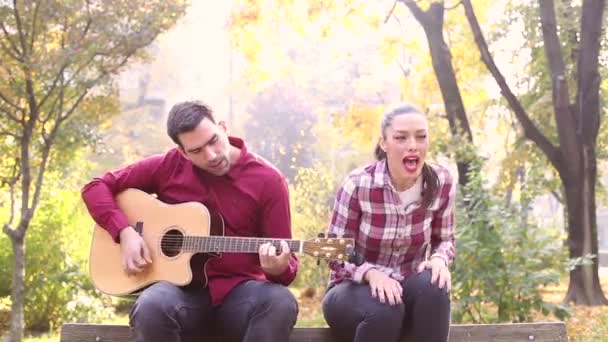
pixel 246 298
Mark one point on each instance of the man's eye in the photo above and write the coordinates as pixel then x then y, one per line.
pixel 422 136
pixel 400 138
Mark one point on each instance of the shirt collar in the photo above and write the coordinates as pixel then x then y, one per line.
pixel 381 177
pixel 237 166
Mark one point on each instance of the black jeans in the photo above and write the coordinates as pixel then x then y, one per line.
pixel 354 315
pixel 253 311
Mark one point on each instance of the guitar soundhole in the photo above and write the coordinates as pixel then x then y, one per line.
pixel 172 243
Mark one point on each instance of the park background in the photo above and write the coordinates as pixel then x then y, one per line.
pixel 510 88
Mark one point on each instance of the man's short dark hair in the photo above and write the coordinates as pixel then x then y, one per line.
pixel 185 116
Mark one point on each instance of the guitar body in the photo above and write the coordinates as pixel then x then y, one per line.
pixel 162 228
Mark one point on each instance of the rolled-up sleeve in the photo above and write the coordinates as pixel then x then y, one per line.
pixel 345 222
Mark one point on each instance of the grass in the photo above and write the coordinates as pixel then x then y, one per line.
pixel 586 324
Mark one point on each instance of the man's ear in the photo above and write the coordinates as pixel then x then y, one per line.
pixel 180 148
pixel 222 124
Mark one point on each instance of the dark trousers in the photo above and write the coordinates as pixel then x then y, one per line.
pixel 253 311
pixel 354 315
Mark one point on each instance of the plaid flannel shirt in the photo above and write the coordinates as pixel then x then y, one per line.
pixel 390 237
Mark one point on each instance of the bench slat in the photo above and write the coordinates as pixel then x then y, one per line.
pixel 537 332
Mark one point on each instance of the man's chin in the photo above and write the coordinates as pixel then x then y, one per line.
pixel 218 171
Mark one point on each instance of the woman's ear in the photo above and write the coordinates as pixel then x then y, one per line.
pixel 382 143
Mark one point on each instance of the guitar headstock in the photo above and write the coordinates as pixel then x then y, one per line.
pixel 329 248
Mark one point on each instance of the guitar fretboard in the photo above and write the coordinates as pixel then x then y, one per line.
pixel 210 244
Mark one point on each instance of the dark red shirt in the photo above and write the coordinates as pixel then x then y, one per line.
pixel 252 198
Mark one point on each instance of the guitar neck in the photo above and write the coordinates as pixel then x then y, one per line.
pixel 217 244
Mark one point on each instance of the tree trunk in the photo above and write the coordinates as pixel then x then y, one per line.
pixel 577 127
pixel 432 23
pixel 18 288
pixel 584 287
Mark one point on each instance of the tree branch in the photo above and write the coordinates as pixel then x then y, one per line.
pixel 10 53
pixel 5 99
pixel 390 13
pixel 10 115
pixel 41 170
pixel 75 105
pixel 8 134
pixel 557 196
pixel 530 130
pixel 564 118
pixel 10 41
pixel 555 59
pixel 20 29
pixel 415 9
pixel 588 65
pixel 12 181
pixel 54 84
pixel 449 8
pixel 34 20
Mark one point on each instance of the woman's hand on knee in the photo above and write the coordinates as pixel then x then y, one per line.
pixel 383 287
pixel 440 273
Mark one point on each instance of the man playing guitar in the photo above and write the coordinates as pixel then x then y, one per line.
pixel 245 296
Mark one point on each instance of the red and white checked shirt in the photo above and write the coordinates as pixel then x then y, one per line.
pixel 391 237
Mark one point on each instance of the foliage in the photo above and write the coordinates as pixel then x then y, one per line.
pixel 503 260
pixel 57 283
pixel 311 202
pixel 58 59
pixel 280 127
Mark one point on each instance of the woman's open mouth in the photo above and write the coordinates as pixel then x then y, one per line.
pixel 410 163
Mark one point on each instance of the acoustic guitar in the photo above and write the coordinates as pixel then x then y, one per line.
pixel 173 234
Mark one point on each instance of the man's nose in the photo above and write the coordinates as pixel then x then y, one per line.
pixel 209 154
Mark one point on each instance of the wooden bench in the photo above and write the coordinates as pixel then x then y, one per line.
pixel 545 332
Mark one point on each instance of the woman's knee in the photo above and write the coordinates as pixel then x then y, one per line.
pixel 355 303
pixel 419 285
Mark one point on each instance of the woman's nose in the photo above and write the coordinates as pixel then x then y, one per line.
pixel 410 144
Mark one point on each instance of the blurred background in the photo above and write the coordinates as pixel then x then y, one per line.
pixel 512 90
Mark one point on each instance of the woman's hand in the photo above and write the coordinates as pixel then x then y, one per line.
pixel 384 287
pixel 440 274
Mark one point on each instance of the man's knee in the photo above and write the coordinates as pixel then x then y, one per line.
pixel 281 301
pixel 156 302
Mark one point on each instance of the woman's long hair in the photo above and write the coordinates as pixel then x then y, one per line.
pixel 430 180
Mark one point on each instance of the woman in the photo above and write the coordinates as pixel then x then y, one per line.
pixel 400 210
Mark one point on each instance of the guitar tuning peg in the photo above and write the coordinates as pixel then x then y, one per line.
pixel 332 235
pixel 321 235
pixel 318 262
